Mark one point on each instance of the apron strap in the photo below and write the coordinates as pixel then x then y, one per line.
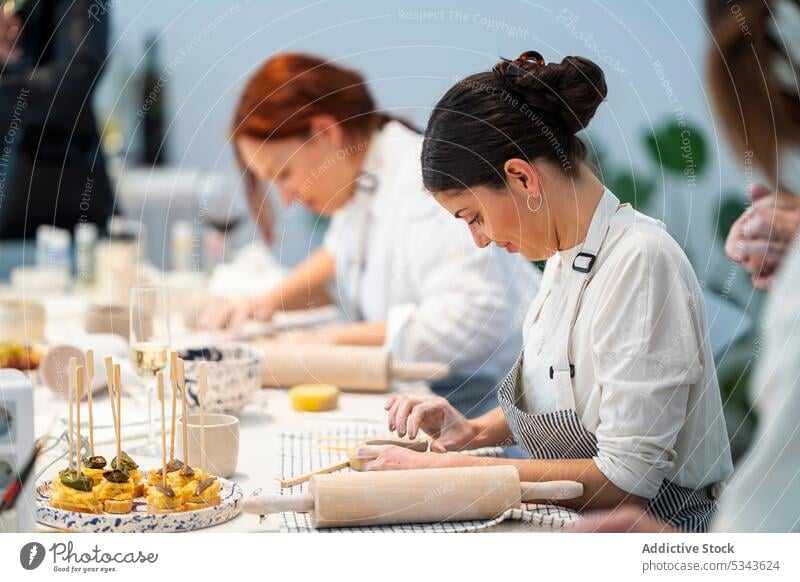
pixel 563 369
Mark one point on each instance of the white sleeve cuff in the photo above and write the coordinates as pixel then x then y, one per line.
pixel 634 475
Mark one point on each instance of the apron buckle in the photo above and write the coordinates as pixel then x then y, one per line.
pixel 571 371
pixel 589 262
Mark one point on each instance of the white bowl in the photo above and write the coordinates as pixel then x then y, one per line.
pixel 234 374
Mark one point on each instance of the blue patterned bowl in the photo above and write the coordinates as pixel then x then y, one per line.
pixel 234 374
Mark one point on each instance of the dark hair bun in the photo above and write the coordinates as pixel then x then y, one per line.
pixel 571 90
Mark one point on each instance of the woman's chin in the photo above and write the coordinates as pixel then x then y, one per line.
pixel 534 256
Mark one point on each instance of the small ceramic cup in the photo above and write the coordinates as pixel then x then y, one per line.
pixel 221 446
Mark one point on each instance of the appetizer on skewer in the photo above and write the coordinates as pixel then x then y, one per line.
pixel 93 465
pixel 161 498
pixel 204 491
pixel 125 461
pixel 117 489
pixel 201 494
pixel 72 490
pixel 178 474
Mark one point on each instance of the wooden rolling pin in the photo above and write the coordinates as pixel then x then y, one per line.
pixel 355 368
pixel 413 496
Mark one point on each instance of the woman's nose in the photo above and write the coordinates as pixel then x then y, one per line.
pixel 481 240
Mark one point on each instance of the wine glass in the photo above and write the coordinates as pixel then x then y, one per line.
pixel 150 342
pixel 225 210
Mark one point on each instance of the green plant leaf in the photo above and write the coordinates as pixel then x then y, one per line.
pixel 678 149
pixel 630 187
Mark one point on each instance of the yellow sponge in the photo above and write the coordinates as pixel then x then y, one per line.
pixel 314 397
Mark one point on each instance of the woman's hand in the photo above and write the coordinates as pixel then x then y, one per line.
pixel 760 237
pixel 624 519
pixel 435 417
pixel 394 458
pixel 232 313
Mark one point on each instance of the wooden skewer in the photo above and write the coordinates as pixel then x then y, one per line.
pixel 203 389
pixel 89 380
pixel 118 416
pixel 73 364
pixel 79 379
pixel 306 476
pixel 160 389
pixel 181 374
pixel 173 376
pixel 110 380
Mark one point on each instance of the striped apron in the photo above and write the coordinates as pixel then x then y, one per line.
pixel 561 434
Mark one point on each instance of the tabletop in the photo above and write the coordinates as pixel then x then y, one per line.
pixel 268 414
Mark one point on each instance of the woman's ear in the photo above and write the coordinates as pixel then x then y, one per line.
pixel 327 127
pixel 522 177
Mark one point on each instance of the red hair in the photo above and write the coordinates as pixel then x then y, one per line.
pixel 283 96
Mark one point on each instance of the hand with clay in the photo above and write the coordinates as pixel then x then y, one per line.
pixel 436 417
pixel 761 236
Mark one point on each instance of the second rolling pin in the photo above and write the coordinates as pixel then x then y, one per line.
pixel 412 496
pixel 355 368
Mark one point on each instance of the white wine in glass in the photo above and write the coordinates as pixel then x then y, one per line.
pixel 150 342
pixel 148 359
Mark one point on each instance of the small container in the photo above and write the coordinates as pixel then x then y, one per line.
pixel 117 260
pixel 221 439
pixel 181 239
pixel 52 247
pixel 21 321
pixel 108 318
pixel 85 243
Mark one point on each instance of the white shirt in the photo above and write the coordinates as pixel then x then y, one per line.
pixel 444 299
pixel 764 494
pixel 645 382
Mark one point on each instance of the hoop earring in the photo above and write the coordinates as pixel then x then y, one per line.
pixel 528 203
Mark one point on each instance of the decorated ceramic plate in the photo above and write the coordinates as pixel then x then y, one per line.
pixel 138 520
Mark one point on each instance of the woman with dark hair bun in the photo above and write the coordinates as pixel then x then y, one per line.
pixel 404 275
pixel 616 385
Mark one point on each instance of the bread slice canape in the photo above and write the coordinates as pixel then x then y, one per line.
pixel 201 494
pixel 74 492
pixel 178 475
pixel 94 467
pixel 116 491
pixel 130 467
pixel 162 499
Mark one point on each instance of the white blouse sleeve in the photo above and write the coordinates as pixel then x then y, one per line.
pixel 646 355
pixel 471 302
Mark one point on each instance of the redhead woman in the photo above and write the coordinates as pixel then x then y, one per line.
pixel 400 269
pixel 616 385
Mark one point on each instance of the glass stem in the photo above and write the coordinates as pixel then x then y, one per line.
pixel 151 436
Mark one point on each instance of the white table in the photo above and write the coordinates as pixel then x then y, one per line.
pixel 262 421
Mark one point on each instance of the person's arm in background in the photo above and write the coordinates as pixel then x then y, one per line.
pixel 60 88
pixel 304 287
pixel 758 240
